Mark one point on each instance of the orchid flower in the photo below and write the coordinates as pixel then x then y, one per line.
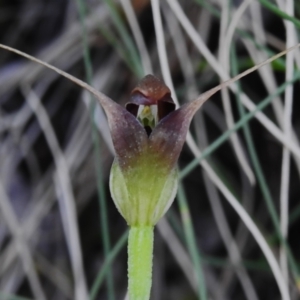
pixel 148 136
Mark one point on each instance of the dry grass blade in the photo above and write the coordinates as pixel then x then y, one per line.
pixel 224 62
pixel 65 195
pixel 287 122
pixel 22 247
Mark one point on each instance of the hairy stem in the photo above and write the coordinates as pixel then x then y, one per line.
pixel 140 254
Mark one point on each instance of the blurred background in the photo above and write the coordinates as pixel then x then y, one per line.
pixel 61 236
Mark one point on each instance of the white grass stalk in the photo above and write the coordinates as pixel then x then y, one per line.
pixel 183 260
pixel 100 80
pixel 244 216
pixel 266 122
pixel 160 41
pixel 182 53
pixel 224 62
pixel 56 276
pixel 204 25
pixel 27 229
pixel 43 198
pixel 166 231
pixel 178 251
pixel 137 34
pixel 266 73
pixel 231 199
pixel 126 296
pixel 187 68
pixel 285 167
pixel 65 197
pixel 230 244
pixel 236 18
pixel 232 247
pixel 59 52
pixel 21 245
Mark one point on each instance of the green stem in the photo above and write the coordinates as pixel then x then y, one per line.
pixel 140 254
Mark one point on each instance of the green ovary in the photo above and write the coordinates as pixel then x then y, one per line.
pixel 140 252
pixel 144 191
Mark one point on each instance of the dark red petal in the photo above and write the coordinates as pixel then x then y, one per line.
pixel 128 135
pixel 152 91
pixel 164 107
pixel 168 137
pixel 152 88
pixel 139 99
pixel 132 108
